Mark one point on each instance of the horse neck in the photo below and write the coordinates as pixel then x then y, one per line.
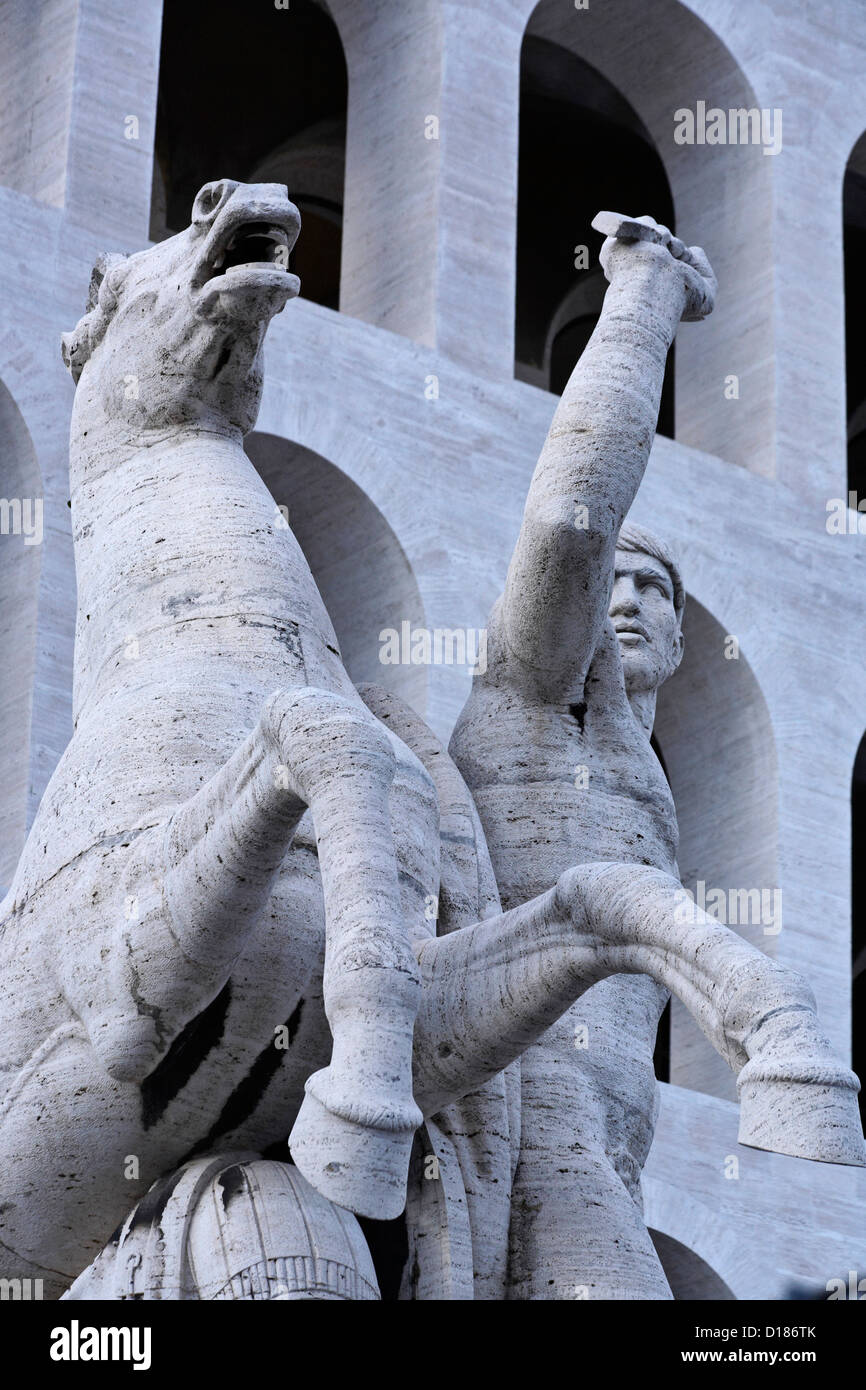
pixel 117 479
pixel 102 443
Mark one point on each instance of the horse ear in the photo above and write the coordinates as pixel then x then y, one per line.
pixel 77 345
pixel 67 348
pixel 106 262
pixel 74 349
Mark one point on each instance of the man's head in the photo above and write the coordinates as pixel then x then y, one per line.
pixel 646 609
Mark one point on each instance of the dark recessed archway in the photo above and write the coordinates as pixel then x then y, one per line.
pixel 690 1277
pixel 255 94
pixel 581 146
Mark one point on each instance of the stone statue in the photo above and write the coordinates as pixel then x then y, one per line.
pixel 554 742
pixel 216 938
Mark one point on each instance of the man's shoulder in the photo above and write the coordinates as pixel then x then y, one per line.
pixel 509 676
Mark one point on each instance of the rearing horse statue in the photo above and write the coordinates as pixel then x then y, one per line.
pixel 234 842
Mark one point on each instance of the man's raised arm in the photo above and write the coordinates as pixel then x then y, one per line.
pixel 558 586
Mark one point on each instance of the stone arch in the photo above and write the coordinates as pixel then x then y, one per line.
pixel 21 508
pixel 714 728
pixel 694 1242
pixel 359 565
pixel 690 1277
pixel 570 111
pixel 854 243
pixel 570 326
pixel 676 57
pixel 285 71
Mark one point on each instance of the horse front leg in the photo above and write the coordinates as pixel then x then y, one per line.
pixel 199 884
pixel 353 1135
pixel 183 902
pixel 491 990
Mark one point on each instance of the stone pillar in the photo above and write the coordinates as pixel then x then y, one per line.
pixel 36 71
pixel 113 119
pixel 432 138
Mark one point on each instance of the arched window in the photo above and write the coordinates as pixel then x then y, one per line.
pixel 571 116
pixel 854 213
pixel 606 97
pixel 257 95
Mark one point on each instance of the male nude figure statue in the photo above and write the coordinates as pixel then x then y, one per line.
pixel 554 742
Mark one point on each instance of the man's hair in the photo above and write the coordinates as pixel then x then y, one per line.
pixel 635 539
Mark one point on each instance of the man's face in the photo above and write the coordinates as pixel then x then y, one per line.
pixel 643 614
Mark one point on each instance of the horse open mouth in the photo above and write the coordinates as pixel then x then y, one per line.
pixel 243 268
pixel 252 244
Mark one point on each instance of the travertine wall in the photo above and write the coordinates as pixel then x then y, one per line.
pixel 428 291
pixel 36 75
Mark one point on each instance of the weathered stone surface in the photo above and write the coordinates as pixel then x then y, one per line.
pixel 175 907
pixel 762 784
pixel 554 743
pixel 233 1227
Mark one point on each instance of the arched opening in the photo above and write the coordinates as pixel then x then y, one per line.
pixel 360 567
pixel 714 726
pixel 691 1278
pixel 644 70
pixel 571 116
pixel 854 222
pixel 21 504
pixel 858 921
pixel 260 96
